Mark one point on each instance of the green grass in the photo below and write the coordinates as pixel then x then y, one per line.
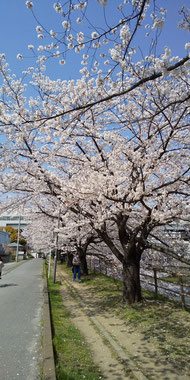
pixel 159 319
pixel 73 356
pixel 175 280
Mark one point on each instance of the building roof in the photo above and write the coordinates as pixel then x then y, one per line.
pixel 14 245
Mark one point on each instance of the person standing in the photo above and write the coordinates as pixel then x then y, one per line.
pixel 61 257
pixel 76 268
pixel 1 266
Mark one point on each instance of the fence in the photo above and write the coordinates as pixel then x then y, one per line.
pixel 154 279
pixel 178 290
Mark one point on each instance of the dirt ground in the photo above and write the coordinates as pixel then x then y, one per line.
pixel 120 351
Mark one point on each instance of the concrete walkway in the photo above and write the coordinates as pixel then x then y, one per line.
pixel 25 330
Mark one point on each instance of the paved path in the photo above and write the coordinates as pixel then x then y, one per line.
pixel 21 301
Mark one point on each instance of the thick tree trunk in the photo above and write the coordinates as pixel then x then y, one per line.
pixel 84 267
pixel 82 254
pixel 69 260
pixel 131 280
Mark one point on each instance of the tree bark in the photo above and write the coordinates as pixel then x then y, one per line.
pixel 130 259
pixel 84 267
pixel 69 259
pixel 131 278
pixel 82 254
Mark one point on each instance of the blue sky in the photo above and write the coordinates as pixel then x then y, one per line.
pixel 17 31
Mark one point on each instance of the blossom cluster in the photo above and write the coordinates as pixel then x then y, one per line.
pixel 120 49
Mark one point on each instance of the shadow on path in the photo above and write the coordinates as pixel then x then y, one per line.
pixel 6 285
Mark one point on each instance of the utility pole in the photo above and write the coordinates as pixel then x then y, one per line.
pixel 18 236
pixel 49 267
pixel 56 248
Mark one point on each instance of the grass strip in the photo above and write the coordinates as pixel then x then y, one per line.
pixel 161 320
pixel 73 356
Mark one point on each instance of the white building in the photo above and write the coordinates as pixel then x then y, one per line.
pixel 13 220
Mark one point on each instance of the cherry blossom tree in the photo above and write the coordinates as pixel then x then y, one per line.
pixel 43 229
pixel 109 151
pixel 40 233
pixel 124 163
pixel 107 46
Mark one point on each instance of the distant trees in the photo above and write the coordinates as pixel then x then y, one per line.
pixel 14 234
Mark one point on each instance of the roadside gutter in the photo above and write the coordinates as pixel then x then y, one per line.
pixel 48 355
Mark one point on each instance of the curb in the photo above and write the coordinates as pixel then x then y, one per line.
pixel 48 355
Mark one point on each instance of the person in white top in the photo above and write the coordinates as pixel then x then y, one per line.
pixel 1 266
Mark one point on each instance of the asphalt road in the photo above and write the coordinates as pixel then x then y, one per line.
pixel 21 302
